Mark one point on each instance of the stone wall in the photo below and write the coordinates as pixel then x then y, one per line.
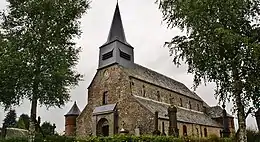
pixel 116 83
pixel 111 80
pixel 151 91
pixel 192 129
pixel 131 114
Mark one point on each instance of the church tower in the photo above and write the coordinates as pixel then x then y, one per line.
pixel 116 50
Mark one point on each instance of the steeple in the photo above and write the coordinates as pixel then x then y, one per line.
pixel 116 30
pixel 116 50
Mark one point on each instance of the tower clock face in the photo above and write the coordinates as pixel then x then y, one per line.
pixel 106 74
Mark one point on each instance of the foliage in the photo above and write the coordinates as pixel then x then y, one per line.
pixel 253 136
pixel 23 122
pixel 222 45
pixel 122 139
pixel 47 128
pixel 220 37
pixel 40 54
pixel 10 119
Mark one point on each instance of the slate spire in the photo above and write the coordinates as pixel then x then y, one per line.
pixel 74 111
pixel 116 30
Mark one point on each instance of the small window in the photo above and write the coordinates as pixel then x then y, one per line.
pixel 171 100
pixel 181 102
pixel 189 105
pixel 124 55
pixel 107 55
pixel 198 107
pixel 105 98
pixel 158 96
pixel 198 134
pixel 143 91
pixel 185 130
pixel 205 132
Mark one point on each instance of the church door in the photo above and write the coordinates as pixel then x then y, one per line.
pixel 103 127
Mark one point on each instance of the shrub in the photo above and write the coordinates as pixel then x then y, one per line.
pixel 253 136
pixel 119 138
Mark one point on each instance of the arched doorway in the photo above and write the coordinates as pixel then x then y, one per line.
pixel 103 127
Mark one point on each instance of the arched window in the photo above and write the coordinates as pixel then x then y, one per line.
pixel 171 100
pixel 105 98
pixel 185 130
pixel 143 91
pixel 205 132
pixel 198 107
pixel 181 102
pixel 189 105
pixel 158 96
pixel 198 134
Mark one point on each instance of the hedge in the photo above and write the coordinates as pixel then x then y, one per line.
pixel 119 139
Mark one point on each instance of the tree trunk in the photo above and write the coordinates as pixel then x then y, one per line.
pixel 240 107
pixel 32 127
pixel 241 120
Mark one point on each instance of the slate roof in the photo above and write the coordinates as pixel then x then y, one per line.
pixel 74 111
pixel 156 78
pixel 216 112
pixel 104 109
pixel 183 115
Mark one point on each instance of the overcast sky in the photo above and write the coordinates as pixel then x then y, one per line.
pixel 144 31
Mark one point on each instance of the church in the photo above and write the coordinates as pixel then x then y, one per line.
pixel 127 98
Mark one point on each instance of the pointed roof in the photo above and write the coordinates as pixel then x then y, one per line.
pixel 74 111
pixel 116 30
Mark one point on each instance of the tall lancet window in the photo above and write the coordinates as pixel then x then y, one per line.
pixel 181 102
pixel 158 96
pixel 143 91
pixel 105 98
pixel 189 105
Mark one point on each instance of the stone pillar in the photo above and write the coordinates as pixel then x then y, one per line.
pixel 257 117
pixel 172 113
pixel 156 130
pixel 226 131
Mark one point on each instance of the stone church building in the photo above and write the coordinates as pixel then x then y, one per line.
pixel 125 97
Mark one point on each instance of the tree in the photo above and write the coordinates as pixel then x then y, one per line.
pixel 10 119
pixel 48 128
pixel 23 122
pixel 221 46
pixel 39 54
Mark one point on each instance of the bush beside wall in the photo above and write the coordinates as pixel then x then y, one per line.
pixel 119 139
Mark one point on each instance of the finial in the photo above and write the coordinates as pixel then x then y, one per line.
pixel 75 102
